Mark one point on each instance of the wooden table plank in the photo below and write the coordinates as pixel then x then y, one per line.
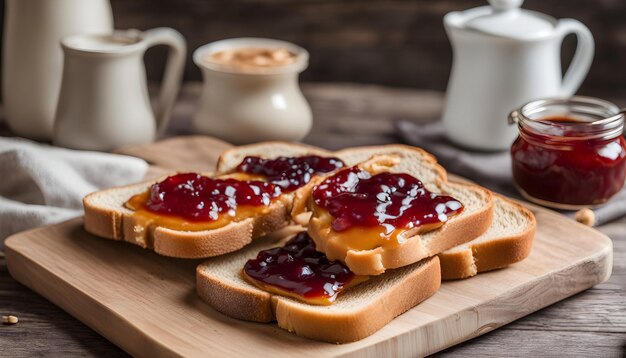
pixel 591 323
pixel 519 343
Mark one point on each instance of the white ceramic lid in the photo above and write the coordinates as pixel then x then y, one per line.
pixel 507 19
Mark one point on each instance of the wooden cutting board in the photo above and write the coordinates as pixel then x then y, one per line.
pixel 147 304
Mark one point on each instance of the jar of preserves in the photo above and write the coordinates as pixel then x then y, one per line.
pixel 570 153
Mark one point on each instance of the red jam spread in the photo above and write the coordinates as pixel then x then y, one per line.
pixel 354 197
pixel 557 167
pixel 192 202
pixel 289 173
pixel 199 198
pixel 299 271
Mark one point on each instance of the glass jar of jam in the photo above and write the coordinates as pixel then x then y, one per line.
pixel 570 153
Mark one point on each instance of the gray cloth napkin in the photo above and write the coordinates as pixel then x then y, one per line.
pixel 491 170
pixel 41 184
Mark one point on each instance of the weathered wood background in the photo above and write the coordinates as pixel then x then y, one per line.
pixel 390 42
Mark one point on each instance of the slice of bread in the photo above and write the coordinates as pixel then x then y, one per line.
pixel 357 313
pixel 474 220
pixel 107 217
pixel 508 240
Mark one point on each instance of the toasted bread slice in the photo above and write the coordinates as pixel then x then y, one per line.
pixel 469 224
pixel 107 217
pixel 508 240
pixel 357 313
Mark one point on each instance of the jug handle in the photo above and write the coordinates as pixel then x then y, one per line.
pixel 583 56
pixel 173 71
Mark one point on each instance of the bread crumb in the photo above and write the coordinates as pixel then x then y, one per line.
pixel 585 216
pixel 9 320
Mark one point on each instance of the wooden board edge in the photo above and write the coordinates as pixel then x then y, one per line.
pixel 21 268
pixel 592 270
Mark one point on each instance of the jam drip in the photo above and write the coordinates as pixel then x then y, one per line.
pixel 289 173
pixel 199 198
pixel 355 198
pixel 299 271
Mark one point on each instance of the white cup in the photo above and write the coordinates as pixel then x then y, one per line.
pixel 243 106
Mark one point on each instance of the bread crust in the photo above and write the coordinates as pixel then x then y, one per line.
pixel 249 303
pixel 101 221
pixel 490 255
pixel 121 225
pixel 343 328
pixel 244 302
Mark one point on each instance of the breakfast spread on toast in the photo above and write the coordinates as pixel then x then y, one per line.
pixel 382 227
pixel 299 271
pixel 193 202
pixel 356 313
pixel 289 173
pixel 372 210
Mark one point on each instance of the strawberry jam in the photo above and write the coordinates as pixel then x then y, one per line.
pixel 289 173
pixel 199 198
pixel 356 198
pixel 569 162
pixel 299 271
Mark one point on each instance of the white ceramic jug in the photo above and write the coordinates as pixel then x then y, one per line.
pixel 504 57
pixel 245 107
pixel 104 103
pixel 33 60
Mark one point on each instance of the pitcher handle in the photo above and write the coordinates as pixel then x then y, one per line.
pixel 583 56
pixel 173 71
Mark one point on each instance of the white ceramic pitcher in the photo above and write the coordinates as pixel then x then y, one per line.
pixel 33 60
pixel 104 103
pixel 243 107
pixel 504 57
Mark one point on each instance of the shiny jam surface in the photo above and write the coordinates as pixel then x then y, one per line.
pixel 299 271
pixel 289 173
pixel 188 200
pixel 560 169
pixel 388 203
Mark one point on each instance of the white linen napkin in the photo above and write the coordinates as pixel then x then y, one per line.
pixel 41 184
pixel 489 169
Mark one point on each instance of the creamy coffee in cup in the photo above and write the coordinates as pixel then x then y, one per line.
pixel 252 58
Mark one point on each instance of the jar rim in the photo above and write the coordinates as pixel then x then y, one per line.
pixel 609 122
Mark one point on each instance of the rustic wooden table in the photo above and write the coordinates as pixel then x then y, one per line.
pixel 592 323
